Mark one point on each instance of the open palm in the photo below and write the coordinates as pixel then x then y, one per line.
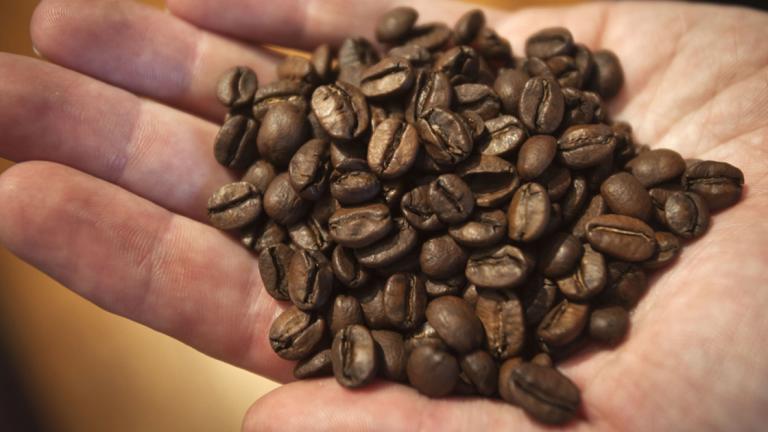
pixel 117 212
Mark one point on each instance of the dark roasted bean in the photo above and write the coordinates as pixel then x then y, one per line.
pixel 528 213
pixel 544 393
pixel 622 237
pixel 686 214
pixel 500 267
pixel 542 105
pixel 353 356
pixel 235 145
pixel 237 86
pixel 456 323
pixel 234 205
pixel 296 334
pixel 718 183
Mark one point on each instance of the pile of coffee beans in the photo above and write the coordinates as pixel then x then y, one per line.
pixel 449 215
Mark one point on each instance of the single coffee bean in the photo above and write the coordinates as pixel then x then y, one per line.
pixel 452 286
pixel 588 279
pixel 608 76
pixel 234 205
pixel 447 138
pixel 481 371
pixel 319 365
pixel 353 355
pixel 389 77
pixel 456 323
pixel 273 268
pixel 297 69
pixel 659 196
pixel 347 269
pixel 393 148
pixel 310 168
pixel 585 63
pixel 260 174
pixel 622 237
pixel 418 211
pixel 718 183
pixel 322 62
pixel 451 199
pixel 296 334
pixel 504 322
pixel 425 334
pixel 344 311
pixel 596 207
pixel 468 26
pixel 235 145
pixel 563 324
pixel 311 235
pixel 371 298
pixel 396 24
pixel 348 157
pixel 477 98
pixel 686 214
pixel 625 195
pixel 310 280
pixel 485 228
pixel 432 36
pixel 460 64
pixel 491 179
pixel 441 257
pixel 505 135
pixel 565 71
pixel 608 325
pixel 283 130
pixel 559 255
pixel 498 267
pixel 626 284
pixel 536 154
pixel 355 54
pixel 356 227
pixel 528 213
pixel 656 166
pixel 667 250
pixel 405 301
pixel 542 105
pixel 282 203
pixel 549 42
pixel 393 247
pixel 282 91
pixel 626 149
pixel 237 86
pixel 418 56
pixel 260 236
pixel 538 297
pixel 390 350
pixel 430 90
pixel 544 393
pixel 342 110
pixel 581 107
pixel 509 86
pixel 584 146
pixel 575 199
pixel 505 384
pixel 432 371
pixel 542 359
pixel 354 187
pixel 493 47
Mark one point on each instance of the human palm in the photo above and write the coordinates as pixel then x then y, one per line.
pixel 117 211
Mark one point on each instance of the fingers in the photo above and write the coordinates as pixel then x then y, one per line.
pixel 142 50
pixel 50 113
pixel 140 261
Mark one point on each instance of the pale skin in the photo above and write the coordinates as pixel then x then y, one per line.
pixel 109 193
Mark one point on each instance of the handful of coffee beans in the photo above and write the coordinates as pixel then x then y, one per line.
pixel 451 216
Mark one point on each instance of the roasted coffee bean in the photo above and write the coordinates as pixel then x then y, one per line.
pixel 282 203
pixel 452 286
pixel 536 154
pixel 626 284
pixel 418 210
pixel 538 297
pixel 310 280
pixel 342 110
pixel 626 149
pixel 559 255
pixel 273 268
pixel 322 62
pixel 563 324
pixel 491 179
pixel 608 325
pixel 371 298
pixel 316 128
pixel 353 355
pixel 542 105
pixel 393 247
pixel 296 334
pixel 622 237
pixel 565 71
pixel 460 64
pixel 237 86
pixel 405 301
pixel 235 145
pixel 357 227
pixel 549 42
pixel 355 54
pixel 505 135
pixel 282 91
pixel 456 323
pixel 348 157
pixel 310 169
pixel 528 213
pixel 390 350
pixel 447 138
pixel 418 56
pixel 393 191
pixel 536 67
pixel 585 63
pixel 718 183
pixel 544 393
pixel 470 295
pixel 344 311
pixel 509 86
pixel 596 175
pixel 581 107
pixel 311 235
pixel 505 379
pixel 354 187
pixel 481 371
pixel 323 209
pixel 625 195
pixel 584 146
pixel 396 24
pixel 555 219
pixel 477 98
pixel 389 77
pixel 575 199
pixel 319 365
pixel 485 228
pixel 432 36
pixel 498 267
pixel 234 205
pixel 667 249
pixel 588 279
pixel 393 148
pixel 450 199
pixel 468 26
pixel 297 69
pixel 504 322
pixel 608 76
pixel 283 130
pixel 260 174
pixel 259 236
pixel 432 371
pixel 425 334
pixel 347 269
pixel 596 207
pixel 659 196
pixel 557 180
pixel 656 166
pixel 475 123
pixel 542 359
pixel 441 257
pixel 686 214
pixel 493 47
pixel 430 90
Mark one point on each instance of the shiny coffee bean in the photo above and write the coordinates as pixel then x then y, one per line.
pixel 475 123
pixel 565 71
pixel 311 235
pixel 581 107
pixel 563 324
pixel 418 56
pixel 491 179
pixel 430 90
pixel 425 334
pixel 260 174
pixel 557 180
pixel 468 26
pixel 528 213
pixel 355 54
pixel 441 257
pixel 322 62
pixel 484 228
pixel 536 67
pixel 392 191
pixel 235 145
pixel 237 86
pixel 432 371
pixel 588 279
pixel 354 187
pixel 686 214
pixel 342 110
pixel 281 91
pixel 282 203
pixel 310 169
pixel 296 334
pixel 622 237
pixel 447 138
pixel 234 205
pixel 596 207
pixel 432 36
pixel 393 148
pixel 344 311
pixel 498 267
pixel 656 166
pixel 549 42
pixel 470 295
pixel 310 280
pixel 509 86
pixel 418 211
pixel 357 227
pixel 544 393
pixel 626 284
pixel 608 325
pixel 505 135
pixel 584 146
pixel 452 286
pixel 273 268
pixel 504 322
pixel 353 355
pixel 718 183
pixel 405 300
pixel 559 255
pixel 260 236
pixel 390 350
pixel 348 157
pixel 536 154
pixel 493 47
pixel 659 196
pixel 668 248
pixel 542 105
pixel 297 69
pixel 542 359
pixel 347 269
pixel 456 323
pixel 460 64
pixel 575 200
pixel 538 297
pixel 505 384
pixel 625 195
pixel 608 76
pixel 477 98
pixel 451 199
pixel 395 24
pixel 283 130
pixel 389 77
pixel 393 247
pixel 481 370
pixel 319 365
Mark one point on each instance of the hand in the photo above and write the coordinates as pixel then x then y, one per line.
pixel 116 212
